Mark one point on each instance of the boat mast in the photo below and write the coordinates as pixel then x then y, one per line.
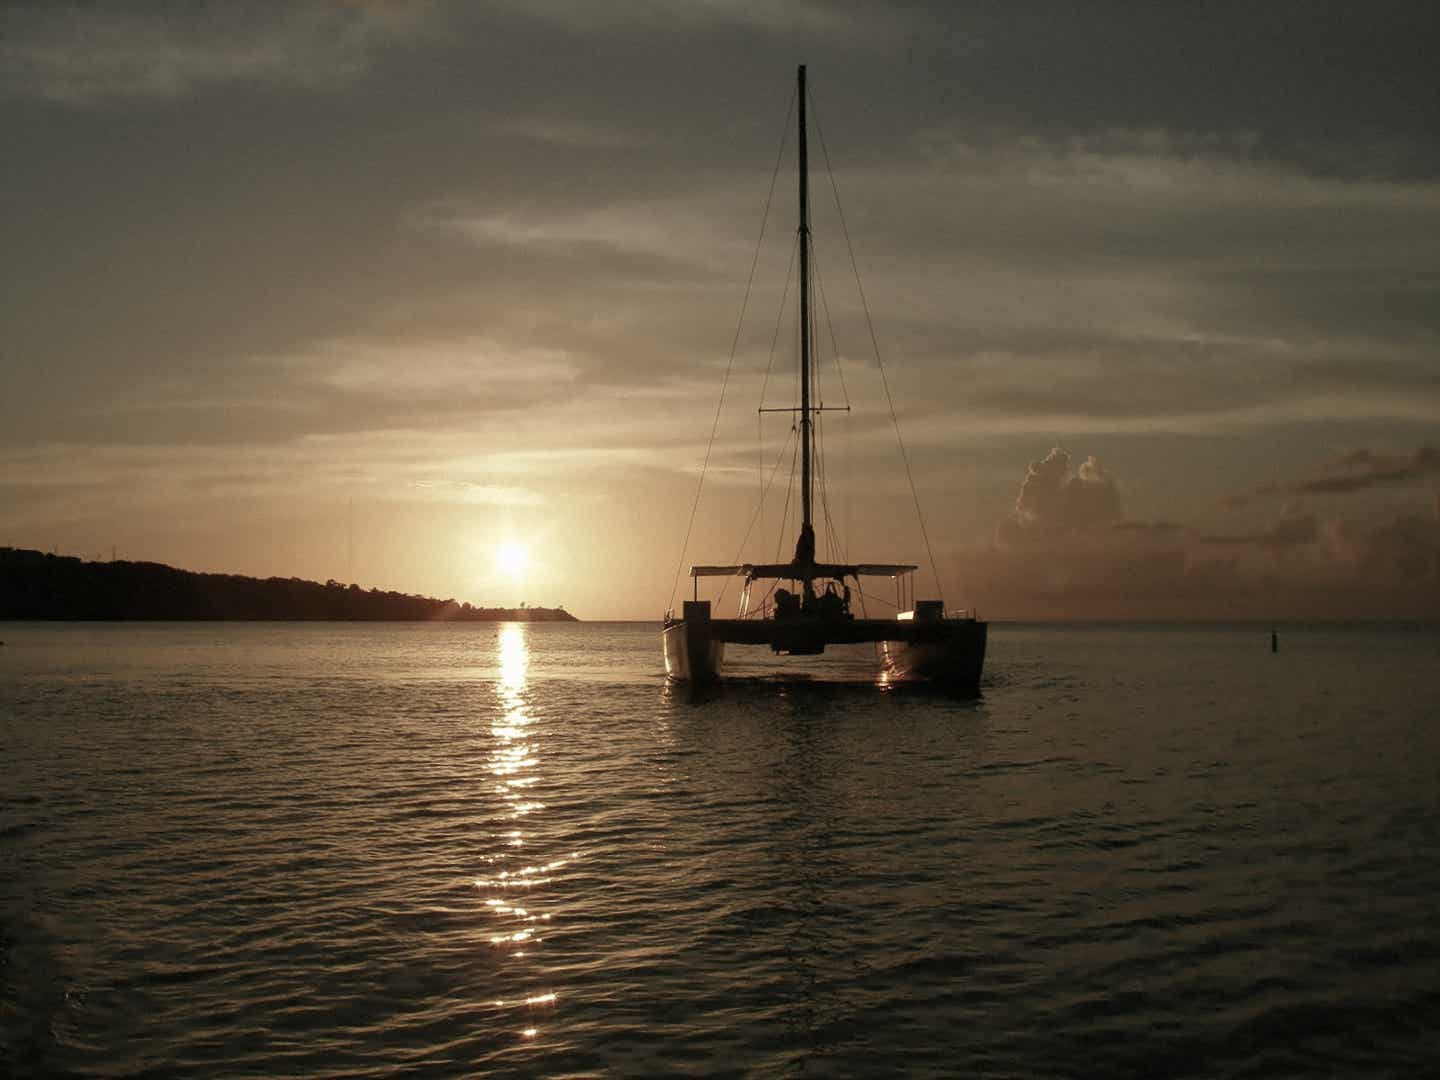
pixel 807 530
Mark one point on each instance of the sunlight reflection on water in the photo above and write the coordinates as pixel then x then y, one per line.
pixel 514 764
pixel 515 850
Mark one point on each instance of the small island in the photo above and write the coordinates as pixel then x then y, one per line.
pixel 38 585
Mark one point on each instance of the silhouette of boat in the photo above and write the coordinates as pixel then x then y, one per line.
pixel 922 643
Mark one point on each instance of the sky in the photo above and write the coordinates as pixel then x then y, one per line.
pixel 378 291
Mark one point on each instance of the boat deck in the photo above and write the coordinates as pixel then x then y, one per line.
pixel 802 632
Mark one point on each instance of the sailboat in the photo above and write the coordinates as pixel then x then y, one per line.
pixel 811 606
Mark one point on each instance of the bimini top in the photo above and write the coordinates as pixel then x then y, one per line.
pixel 792 571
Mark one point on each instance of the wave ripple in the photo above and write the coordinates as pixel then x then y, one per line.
pixel 509 850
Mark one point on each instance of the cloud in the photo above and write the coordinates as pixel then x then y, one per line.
pixel 569 133
pixel 430 466
pixel 662 233
pixel 86 54
pixel 1065 551
pixel 1054 501
pixel 464 369
pixel 815 20
pixel 1293 528
pixel 1404 550
pixel 1357 470
pixel 251 224
pixel 481 494
pixel 1153 529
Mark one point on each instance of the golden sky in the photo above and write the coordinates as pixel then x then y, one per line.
pixel 369 291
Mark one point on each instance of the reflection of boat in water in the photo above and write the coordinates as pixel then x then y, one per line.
pixel 808 606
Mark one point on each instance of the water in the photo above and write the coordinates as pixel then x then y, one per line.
pixel 358 850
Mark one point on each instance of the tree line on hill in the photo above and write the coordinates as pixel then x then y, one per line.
pixel 38 585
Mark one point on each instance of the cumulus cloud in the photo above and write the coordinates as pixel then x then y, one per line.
pixel 1067 551
pixel 1056 500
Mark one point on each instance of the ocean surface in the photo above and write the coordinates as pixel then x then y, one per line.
pixel 249 850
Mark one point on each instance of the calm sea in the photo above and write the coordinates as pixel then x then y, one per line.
pixel 252 850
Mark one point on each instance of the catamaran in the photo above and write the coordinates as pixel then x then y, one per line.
pixel 812 608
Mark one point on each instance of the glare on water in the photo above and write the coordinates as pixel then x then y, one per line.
pixel 514 763
pixel 511 850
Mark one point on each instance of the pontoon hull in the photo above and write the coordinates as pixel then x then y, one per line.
pixel 947 652
pixel 954 657
pixel 692 652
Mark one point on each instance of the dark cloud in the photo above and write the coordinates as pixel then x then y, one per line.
pixel 1362 469
pixel 138 53
pixel 1357 470
pixel 256 215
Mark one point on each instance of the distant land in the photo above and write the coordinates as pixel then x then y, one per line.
pixel 37 585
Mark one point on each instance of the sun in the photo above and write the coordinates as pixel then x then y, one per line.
pixel 512 559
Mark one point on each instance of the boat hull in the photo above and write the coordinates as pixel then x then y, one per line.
pixel 953 656
pixel 692 651
pixel 945 652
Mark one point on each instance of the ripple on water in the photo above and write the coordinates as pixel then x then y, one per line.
pixel 510 850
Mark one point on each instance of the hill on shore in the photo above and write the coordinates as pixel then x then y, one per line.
pixel 37 585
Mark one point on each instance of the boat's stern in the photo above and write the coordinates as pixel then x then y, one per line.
pixel 945 651
pixel 692 651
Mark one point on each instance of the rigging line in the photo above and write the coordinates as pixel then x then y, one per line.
pixel 832 535
pixel 817 435
pixel 734 344
pixel 779 458
pixel 841 541
pixel 849 480
pixel 800 431
pixel 769 367
pixel 757 612
pixel 833 541
pixel 817 431
pixel 878 599
pixel 830 322
pixel 789 494
pixel 817 455
pixel 880 363
pixel 821 458
pixel 779 320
